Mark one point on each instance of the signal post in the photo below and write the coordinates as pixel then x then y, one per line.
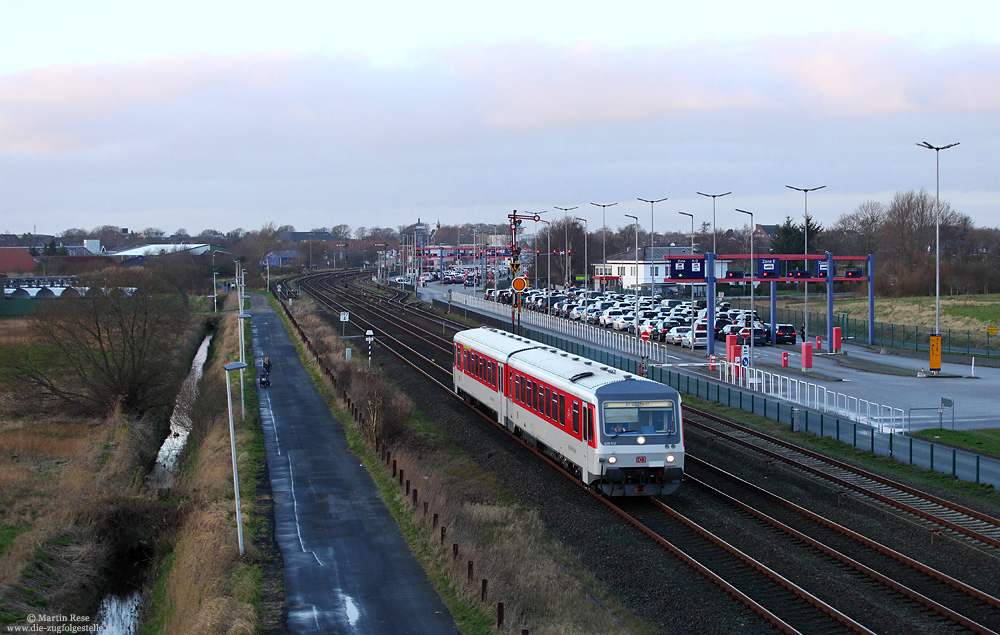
pixel 518 284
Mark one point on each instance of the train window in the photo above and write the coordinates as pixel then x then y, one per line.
pixel 458 356
pixel 576 417
pixel 517 388
pixel 548 403
pixel 532 396
pixel 561 408
pixel 646 417
pixel 540 399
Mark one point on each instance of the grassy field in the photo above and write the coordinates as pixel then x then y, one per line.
pixel 985 442
pixel 958 313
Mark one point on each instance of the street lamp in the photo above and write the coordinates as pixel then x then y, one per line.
pixel 232 444
pixel 535 240
pixel 215 287
pixel 691 216
pixel 652 233
pixel 242 316
pixel 604 234
pixel 635 321
pixel 753 270
pixel 714 196
pixel 937 234
pixel 586 261
pixel 566 211
pixel 548 234
pixel 805 230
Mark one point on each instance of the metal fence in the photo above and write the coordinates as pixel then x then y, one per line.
pixel 811 408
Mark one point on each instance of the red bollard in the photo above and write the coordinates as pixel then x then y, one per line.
pixel 819 343
pixel 784 359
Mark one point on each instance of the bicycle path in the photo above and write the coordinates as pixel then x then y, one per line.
pixel 347 567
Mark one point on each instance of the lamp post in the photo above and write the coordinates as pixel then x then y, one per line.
pixel 535 240
pixel 714 196
pixel 215 287
pixel 937 236
pixel 604 235
pixel 586 262
pixel 652 233
pixel 548 299
pixel 636 319
pixel 232 445
pixel 805 231
pixel 569 260
pixel 242 316
pixel 753 270
pixel 691 216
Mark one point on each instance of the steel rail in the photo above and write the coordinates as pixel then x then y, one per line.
pixel 937 519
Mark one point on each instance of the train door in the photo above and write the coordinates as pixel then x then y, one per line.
pixel 501 394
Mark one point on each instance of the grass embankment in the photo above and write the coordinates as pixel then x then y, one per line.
pixel 73 504
pixel 202 584
pixel 543 586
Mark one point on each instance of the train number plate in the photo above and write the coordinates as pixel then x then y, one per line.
pixel 640 459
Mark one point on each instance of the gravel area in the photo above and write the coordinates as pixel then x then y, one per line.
pixel 954 555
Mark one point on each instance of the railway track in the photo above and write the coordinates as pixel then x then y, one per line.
pixel 948 605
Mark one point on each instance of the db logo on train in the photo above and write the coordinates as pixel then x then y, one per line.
pixel 640 459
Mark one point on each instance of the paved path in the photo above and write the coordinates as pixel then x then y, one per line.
pixel 347 567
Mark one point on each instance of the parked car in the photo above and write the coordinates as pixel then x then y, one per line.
pixel 609 316
pixel 785 334
pixel 675 334
pixel 696 337
pixel 623 322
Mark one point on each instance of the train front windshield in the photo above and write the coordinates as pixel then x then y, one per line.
pixel 644 417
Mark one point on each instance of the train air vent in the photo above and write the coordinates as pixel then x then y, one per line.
pixel 579 376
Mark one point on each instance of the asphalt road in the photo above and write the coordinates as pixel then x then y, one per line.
pixel 347 567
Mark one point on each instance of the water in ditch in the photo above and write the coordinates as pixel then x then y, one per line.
pixel 118 613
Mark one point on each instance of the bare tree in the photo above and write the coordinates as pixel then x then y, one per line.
pixel 115 347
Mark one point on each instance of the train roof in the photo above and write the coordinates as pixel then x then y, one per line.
pixel 580 371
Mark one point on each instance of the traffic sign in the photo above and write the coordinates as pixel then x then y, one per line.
pixel 645 336
pixel 745 361
pixel 514 266
pixel 745 334
pixel 345 316
pixel 519 284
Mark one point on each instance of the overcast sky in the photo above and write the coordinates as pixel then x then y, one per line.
pixel 224 114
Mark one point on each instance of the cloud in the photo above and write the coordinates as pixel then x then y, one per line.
pixel 485 124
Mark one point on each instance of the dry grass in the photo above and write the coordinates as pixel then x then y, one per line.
pixel 201 592
pixel 15 332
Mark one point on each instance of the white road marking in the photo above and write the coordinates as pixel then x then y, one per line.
pixel 295 511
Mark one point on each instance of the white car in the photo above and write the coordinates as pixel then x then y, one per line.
pixel 675 334
pixel 622 322
pixel 609 316
pixel 696 338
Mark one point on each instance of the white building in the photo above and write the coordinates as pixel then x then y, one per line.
pixel 653 267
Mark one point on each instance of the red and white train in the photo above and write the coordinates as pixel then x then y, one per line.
pixel 617 432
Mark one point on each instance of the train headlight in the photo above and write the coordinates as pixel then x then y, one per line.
pixel 670 458
pixel 612 459
pixel 641 440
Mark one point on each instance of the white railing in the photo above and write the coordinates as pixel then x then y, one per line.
pixel 812 395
